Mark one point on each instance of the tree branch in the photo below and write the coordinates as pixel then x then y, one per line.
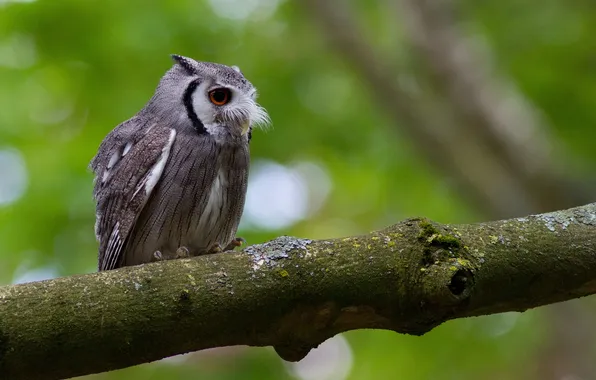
pixel 293 293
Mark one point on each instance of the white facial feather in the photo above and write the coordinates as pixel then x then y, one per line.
pixel 242 106
pixel 202 106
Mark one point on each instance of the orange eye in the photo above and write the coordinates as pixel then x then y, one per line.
pixel 220 96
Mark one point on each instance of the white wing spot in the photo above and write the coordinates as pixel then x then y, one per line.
pixel 114 159
pixel 157 169
pixel 126 149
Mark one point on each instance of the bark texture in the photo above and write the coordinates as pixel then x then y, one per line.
pixel 295 293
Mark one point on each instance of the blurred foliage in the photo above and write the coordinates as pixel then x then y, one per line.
pixel 71 70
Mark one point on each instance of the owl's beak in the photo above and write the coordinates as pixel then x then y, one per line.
pixel 245 127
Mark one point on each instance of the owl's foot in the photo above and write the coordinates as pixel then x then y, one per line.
pixel 157 256
pixel 236 242
pixel 215 248
pixel 182 253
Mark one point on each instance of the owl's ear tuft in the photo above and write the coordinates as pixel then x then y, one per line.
pixel 190 65
pixel 237 69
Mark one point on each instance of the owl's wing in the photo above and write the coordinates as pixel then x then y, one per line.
pixel 128 165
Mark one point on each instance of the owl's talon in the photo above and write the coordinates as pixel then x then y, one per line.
pixel 157 256
pixel 236 242
pixel 182 253
pixel 215 248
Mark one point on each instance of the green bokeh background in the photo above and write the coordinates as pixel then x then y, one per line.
pixel 70 70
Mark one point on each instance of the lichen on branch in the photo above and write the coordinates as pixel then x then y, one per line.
pixel 293 294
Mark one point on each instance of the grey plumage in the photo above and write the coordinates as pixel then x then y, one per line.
pixel 175 174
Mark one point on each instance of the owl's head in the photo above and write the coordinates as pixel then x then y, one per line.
pixel 213 98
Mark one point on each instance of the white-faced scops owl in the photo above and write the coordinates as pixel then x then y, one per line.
pixel 171 181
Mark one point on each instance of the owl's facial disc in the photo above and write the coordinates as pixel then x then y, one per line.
pixel 221 107
pixel 226 106
pixel 241 111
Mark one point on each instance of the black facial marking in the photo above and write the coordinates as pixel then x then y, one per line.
pixel 187 99
pixel 249 135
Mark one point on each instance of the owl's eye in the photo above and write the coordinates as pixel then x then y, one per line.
pixel 220 96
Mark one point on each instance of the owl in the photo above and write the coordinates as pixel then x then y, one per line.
pixel 171 181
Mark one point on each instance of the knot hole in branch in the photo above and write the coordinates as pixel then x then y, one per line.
pixel 461 282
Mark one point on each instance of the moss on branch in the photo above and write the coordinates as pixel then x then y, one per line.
pixel 295 293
